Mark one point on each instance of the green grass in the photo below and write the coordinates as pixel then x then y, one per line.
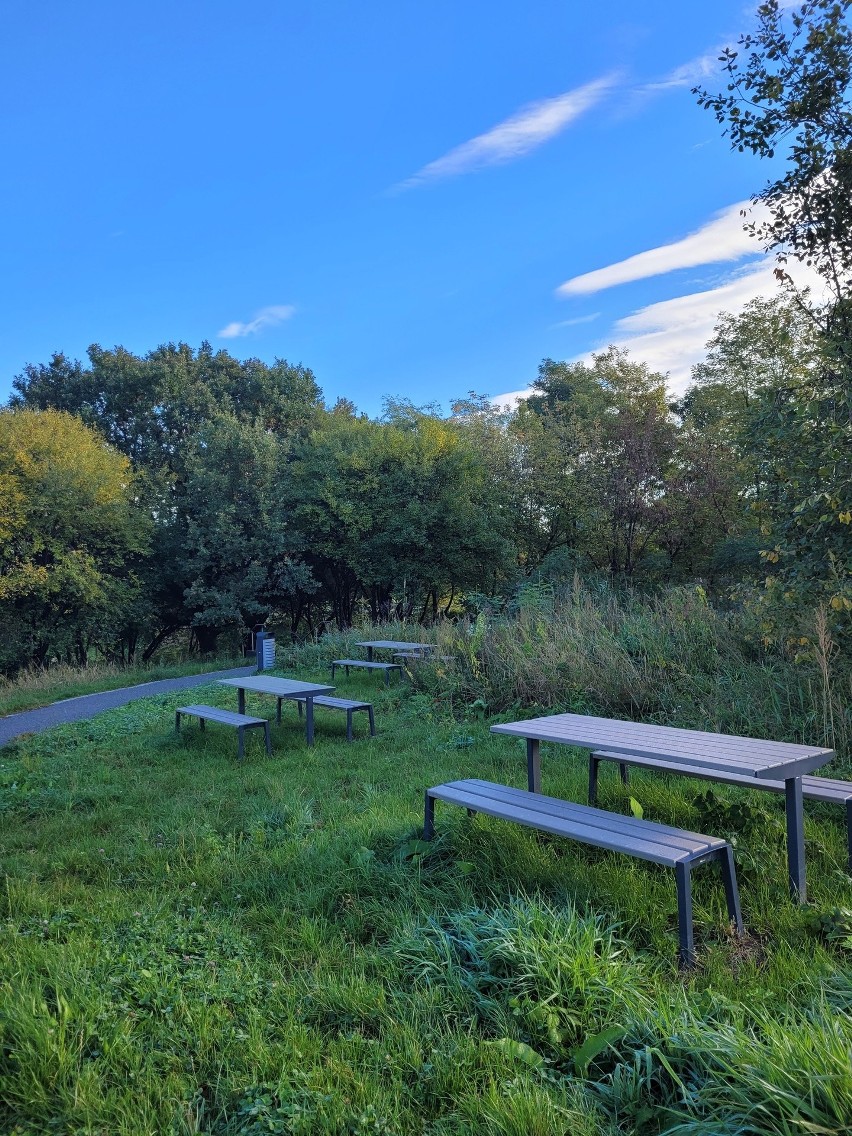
pixel 40 687
pixel 191 945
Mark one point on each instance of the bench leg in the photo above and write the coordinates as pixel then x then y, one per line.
pixel 429 818
pixel 732 895
pixel 849 834
pixel 349 725
pixel 373 734
pixel 533 765
pixel 686 948
pixel 202 723
pixel 278 712
pixel 300 708
pixel 622 768
pixel 332 672
pixel 240 742
pixel 795 838
pixel 594 763
pixel 268 739
pixel 177 721
pixel 387 678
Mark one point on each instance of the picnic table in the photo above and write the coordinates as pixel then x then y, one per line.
pixel 392 645
pixel 280 688
pixel 725 753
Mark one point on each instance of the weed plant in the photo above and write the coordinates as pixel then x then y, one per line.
pixel 194 945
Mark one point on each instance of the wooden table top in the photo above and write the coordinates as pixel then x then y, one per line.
pixel 280 686
pixel 392 644
pixel 726 752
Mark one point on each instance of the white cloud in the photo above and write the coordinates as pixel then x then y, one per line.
pixel 577 319
pixel 671 335
pixel 688 74
pixel 526 130
pixel 266 317
pixel 722 239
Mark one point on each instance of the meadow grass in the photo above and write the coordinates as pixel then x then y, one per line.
pixel 194 945
pixel 39 686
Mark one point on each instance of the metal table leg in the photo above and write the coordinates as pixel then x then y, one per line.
pixel 795 838
pixel 533 765
pixel 309 719
pixel 241 701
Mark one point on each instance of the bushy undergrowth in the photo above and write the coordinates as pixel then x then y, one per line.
pixel 190 945
pixel 671 659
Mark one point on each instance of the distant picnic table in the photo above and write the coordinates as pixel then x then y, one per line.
pixel 392 645
pixel 703 751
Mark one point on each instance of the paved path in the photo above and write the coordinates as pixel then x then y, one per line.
pixel 87 705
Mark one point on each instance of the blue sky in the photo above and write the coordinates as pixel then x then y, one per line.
pixel 412 199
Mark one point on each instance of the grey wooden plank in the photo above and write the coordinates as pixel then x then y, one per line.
pixel 645 849
pixel 783 760
pixel 278 686
pixel 372 666
pixel 394 644
pixel 561 724
pixel 694 736
pixel 814 788
pixel 224 717
pixel 333 703
pixel 559 807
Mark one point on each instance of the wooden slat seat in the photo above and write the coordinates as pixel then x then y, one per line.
pixel 658 843
pixel 347 704
pixel 366 665
pixel 239 722
pixel 824 789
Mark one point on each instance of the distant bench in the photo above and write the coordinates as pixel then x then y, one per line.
pixel 813 788
pixel 239 722
pixel 339 704
pixel 370 666
pixel 658 843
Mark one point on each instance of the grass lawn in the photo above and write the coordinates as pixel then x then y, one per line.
pixel 191 945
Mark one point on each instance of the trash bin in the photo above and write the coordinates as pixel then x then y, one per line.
pixel 265 650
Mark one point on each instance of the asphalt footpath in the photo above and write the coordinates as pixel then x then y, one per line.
pixel 88 705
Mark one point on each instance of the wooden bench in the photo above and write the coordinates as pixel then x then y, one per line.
pixel 813 788
pixel 420 656
pixel 658 843
pixel 240 722
pixel 339 704
pixel 370 666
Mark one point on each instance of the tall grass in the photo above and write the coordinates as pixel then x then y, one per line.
pixel 671 659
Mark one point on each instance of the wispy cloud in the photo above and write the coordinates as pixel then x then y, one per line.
pixel 526 130
pixel 688 74
pixel 266 317
pixel 722 239
pixel 577 319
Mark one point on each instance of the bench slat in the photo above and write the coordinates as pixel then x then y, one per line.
pixel 657 843
pixel 814 788
pixel 333 703
pixel 223 717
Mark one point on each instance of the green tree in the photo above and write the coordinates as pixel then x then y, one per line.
pixel 788 98
pixel 72 536
pixel 239 551
pixel 151 408
pixel 595 445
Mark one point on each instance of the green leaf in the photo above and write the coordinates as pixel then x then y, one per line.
pixel 594 1045
pixel 413 848
pixel 636 808
pixel 518 1051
